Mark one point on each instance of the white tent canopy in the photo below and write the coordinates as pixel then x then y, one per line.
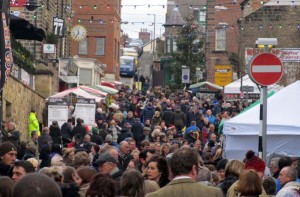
pixel 79 92
pixel 198 85
pixel 234 87
pixel 283 126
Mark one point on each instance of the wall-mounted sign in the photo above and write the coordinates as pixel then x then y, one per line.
pixel 58 26
pixel 48 48
pixel 223 74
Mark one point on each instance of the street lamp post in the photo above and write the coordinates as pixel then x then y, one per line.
pixel 154 15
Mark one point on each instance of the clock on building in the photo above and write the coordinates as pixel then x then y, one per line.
pixel 78 32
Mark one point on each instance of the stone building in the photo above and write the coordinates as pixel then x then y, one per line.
pixel 34 75
pixel 274 19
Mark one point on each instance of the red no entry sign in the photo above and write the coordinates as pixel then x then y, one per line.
pixel 265 69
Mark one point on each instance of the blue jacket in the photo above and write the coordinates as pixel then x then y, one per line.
pixel 147 113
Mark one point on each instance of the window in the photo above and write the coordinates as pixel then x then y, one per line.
pixel 100 46
pixel 85 76
pixel 168 45
pixel 220 39
pixel 202 16
pixel 83 47
pixel 174 45
pixel 8 109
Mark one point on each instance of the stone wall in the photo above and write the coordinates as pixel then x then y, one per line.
pixel 17 102
pixel 281 22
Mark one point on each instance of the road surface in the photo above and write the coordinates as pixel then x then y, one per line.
pixel 145 62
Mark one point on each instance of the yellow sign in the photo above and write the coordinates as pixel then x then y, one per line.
pixel 138 85
pixel 223 74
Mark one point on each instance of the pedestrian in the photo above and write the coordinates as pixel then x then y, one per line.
pixel 107 186
pixel 132 184
pixel 184 166
pixel 55 133
pixel 8 156
pixel 45 147
pixel 37 185
pixel 33 123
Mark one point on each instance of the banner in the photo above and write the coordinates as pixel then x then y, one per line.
pixel 185 75
pixel 85 109
pixel 58 111
pixel 6 60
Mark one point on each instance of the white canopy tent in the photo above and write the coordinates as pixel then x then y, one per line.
pixel 283 126
pixel 234 87
pixel 79 92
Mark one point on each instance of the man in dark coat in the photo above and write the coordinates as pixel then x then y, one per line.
pixel 136 129
pixel 8 156
pixel 147 112
pixel 79 128
pixel 66 131
pixel 168 116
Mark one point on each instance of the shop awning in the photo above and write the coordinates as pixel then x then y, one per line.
pixel 23 29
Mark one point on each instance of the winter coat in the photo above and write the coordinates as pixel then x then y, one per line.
pixel 33 123
pixel 147 113
pixel 66 131
pixel 55 134
pixel 123 135
pixel 179 118
pixel 79 129
pixel 168 117
pixel 136 130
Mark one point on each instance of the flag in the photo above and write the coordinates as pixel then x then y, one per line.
pixel 6 59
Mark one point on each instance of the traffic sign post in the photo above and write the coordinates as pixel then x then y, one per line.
pixel 265 69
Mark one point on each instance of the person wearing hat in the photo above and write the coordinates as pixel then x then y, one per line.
pixel 251 162
pixel 107 164
pixel 8 155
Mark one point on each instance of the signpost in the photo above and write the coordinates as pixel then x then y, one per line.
pixel 265 69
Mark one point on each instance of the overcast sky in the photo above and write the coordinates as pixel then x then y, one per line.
pixel 139 14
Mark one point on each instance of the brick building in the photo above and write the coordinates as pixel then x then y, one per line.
pixel 103 40
pixel 222 38
pixel 145 35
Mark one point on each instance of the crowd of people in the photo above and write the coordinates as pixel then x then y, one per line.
pixel 153 143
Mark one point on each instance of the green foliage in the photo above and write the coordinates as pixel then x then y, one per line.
pixel 190 52
pixel 236 61
pixel 52 38
pixel 22 57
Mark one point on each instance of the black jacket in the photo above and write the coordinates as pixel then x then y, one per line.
pixel 55 134
pixel 168 117
pixel 79 129
pixel 123 135
pixel 5 170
